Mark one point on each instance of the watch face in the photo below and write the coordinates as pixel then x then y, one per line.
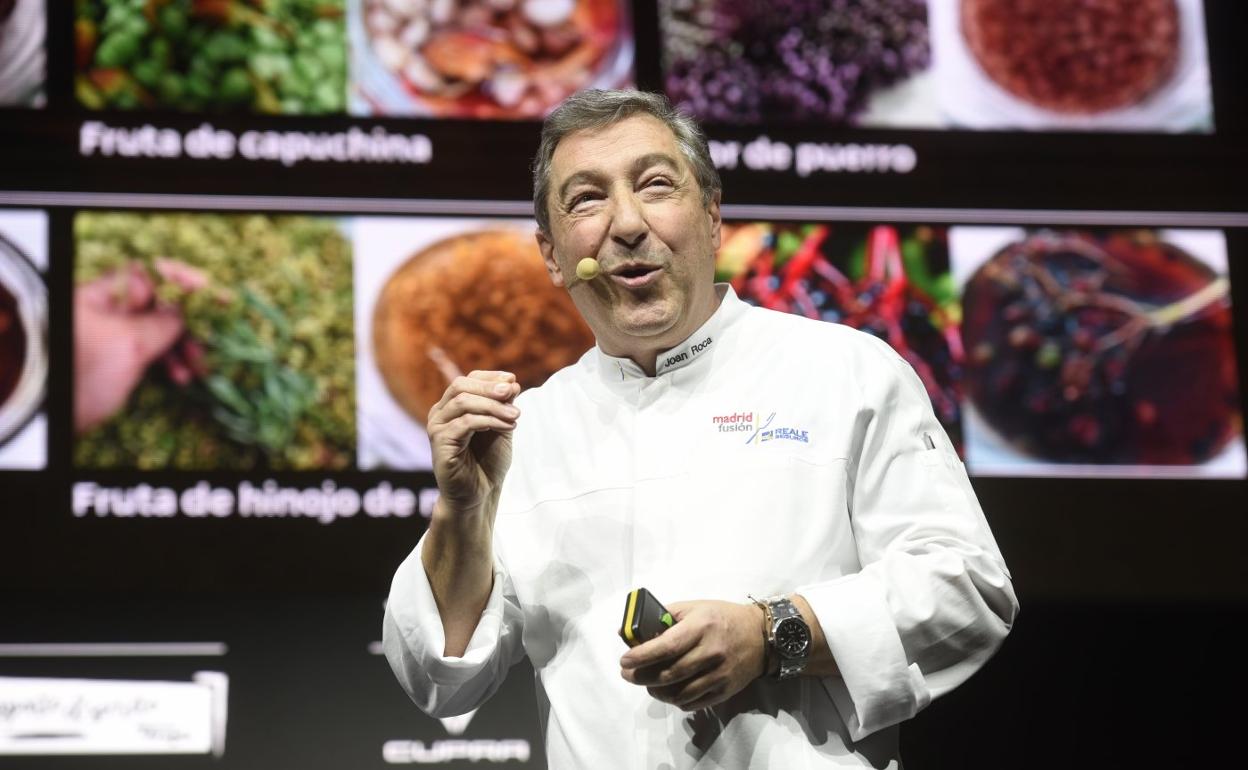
pixel 792 638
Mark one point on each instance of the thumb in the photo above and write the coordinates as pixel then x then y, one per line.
pixel 154 333
pixel 680 609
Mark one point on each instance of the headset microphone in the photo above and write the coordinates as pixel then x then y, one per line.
pixel 588 269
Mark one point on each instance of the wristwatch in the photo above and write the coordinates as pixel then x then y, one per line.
pixel 788 637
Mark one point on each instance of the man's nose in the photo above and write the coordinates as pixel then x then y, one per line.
pixel 628 223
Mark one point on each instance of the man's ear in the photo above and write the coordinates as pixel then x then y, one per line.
pixel 712 210
pixel 547 247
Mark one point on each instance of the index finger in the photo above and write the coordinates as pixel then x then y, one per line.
pixel 499 389
pixel 669 645
pixel 491 376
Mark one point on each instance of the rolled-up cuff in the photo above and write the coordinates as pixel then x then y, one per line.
pixel 419 625
pixel 880 687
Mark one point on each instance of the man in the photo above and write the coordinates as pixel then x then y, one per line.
pixel 710 452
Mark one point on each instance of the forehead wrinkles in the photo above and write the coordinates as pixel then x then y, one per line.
pixel 626 147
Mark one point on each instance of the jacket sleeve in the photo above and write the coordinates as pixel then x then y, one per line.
pixel 933 600
pixel 413 640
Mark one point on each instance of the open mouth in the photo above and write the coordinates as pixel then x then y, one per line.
pixel 636 276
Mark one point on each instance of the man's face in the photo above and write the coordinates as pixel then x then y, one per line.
pixel 626 196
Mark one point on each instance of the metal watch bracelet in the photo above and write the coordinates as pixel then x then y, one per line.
pixel 785 658
pixel 782 609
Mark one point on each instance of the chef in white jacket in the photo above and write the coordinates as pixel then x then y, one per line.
pixel 780 484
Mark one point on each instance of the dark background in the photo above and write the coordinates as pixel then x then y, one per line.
pixel 1128 650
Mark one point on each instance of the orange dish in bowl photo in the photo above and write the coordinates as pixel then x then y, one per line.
pixel 479 300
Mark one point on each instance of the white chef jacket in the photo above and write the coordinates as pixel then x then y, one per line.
pixel 770 454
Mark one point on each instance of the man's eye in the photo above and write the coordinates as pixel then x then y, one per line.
pixel 661 181
pixel 579 200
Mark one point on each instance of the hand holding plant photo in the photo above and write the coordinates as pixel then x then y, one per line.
pixel 269 379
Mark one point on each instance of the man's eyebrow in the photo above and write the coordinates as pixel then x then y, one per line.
pixel 653 159
pixel 640 164
pixel 588 177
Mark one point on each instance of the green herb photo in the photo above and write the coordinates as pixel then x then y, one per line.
pixel 267 56
pixel 274 384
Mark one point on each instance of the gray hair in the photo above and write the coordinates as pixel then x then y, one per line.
pixel 596 109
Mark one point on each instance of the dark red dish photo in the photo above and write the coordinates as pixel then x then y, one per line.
pixel 1108 348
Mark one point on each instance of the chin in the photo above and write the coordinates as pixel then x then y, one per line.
pixel 647 323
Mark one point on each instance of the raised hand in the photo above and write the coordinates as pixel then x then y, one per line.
pixel 470 433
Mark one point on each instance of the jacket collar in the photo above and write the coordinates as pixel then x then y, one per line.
pixel 693 353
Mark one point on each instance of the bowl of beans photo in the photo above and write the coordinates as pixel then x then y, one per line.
pixel 1130 65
